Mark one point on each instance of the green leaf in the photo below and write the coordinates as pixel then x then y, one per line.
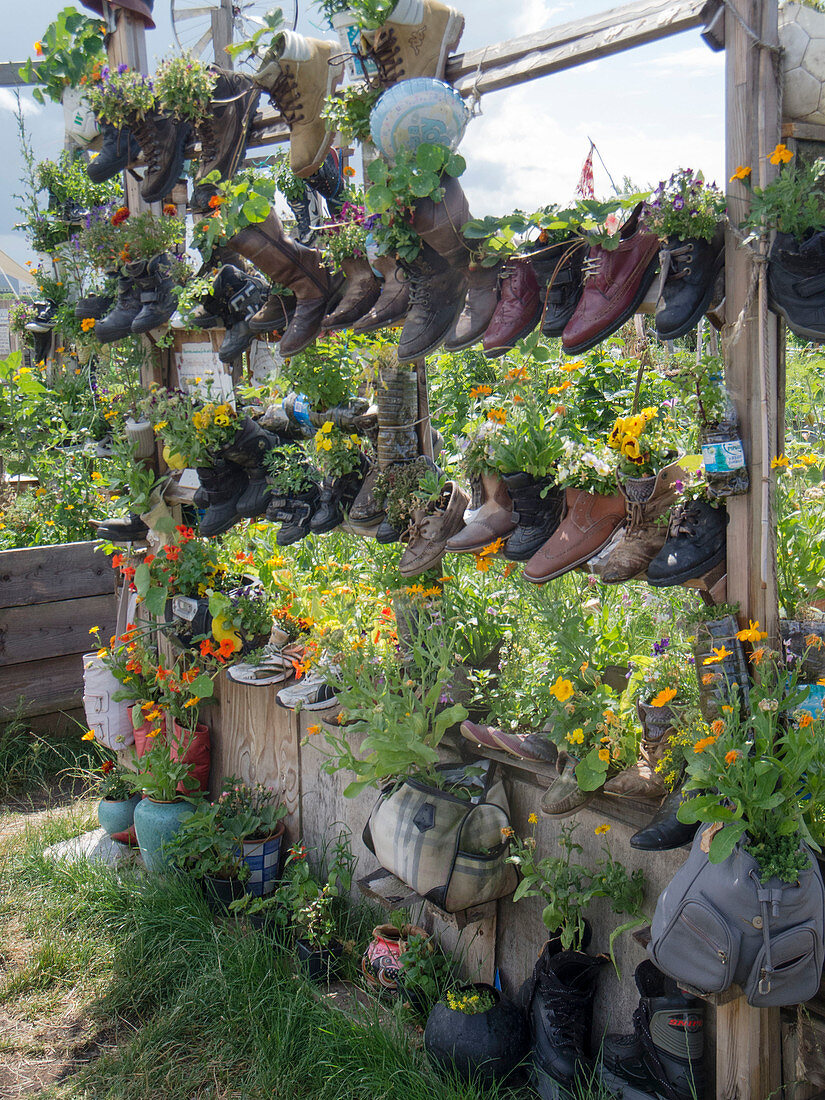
pixel 256 208
pixel 142 579
pixel 165 525
pixel 423 184
pixel 456 165
pixel 725 841
pixel 430 157
pixel 155 601
pixel 377 171
pixel 202 686
pixel 380 198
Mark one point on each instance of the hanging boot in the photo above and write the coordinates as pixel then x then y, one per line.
pixel 559 271
pixel 242 297
pixel 361 291
pixel 158 303
pixel 696 542
pixel 275 314
pixel 119 149
pixel 518 310
pixel 118 323
pixel 397 398
pixel 430 530
pixel 294 512
pixel 416 40
pixel 163 141
pixel 302 212
pixel 647 502
pixel 336 497
pixel 662 1059
pixel 689 270
pixel 328 182
pixel 642 780
pixel 223 132
pixel 665 831
pixel 589 522
pixel 437 293
pixel 494 521
pixel 393 299
pixel 93 307
pixel 559 1000
pixel 537 505
pixel 299 73
pixel 223 486
pixel 616 282
pixel 479 307
pixel 299 269
pixel 247 450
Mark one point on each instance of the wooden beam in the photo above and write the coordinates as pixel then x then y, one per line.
pixel 10 74
pixel 575 43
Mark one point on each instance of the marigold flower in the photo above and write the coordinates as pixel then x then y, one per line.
pixel 731 757
pixel 717 726
pixel 498 416
pixel 170 210
pixel 120 215
pixel 741 173
pixel 87 324
pixel 604 755
pixel 805 720
pixel 532 820
pixel 704 743
pixel 507 831
pixel 38 48
pixel 663 698
pixel 751 633
pixel 481 391
pixel 600 830
pixel 719 655
pixel 193 702
pixel 313 730
pixel 347 171
pixel 492 548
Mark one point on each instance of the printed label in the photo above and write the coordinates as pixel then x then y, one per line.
pixel 723 458
pixel 814 704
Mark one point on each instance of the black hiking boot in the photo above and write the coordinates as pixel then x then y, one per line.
pixel 337 496
pixel 328 182
pixel 248 450
pixel 796 283
pixel 93 307
pixel 437 293
pixel 224 484
pixel 158 303
pixel 223 132
pixel 294 512
pixel 163 141
pixel 689 269
pixel 119 149
pixel 696 541
pixel 118 322
pixel 129 529
pixel 537 508
pixel 559 272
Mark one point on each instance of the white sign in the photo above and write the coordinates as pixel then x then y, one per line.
pixel 201 372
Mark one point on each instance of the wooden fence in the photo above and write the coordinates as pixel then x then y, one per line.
pixel 50 598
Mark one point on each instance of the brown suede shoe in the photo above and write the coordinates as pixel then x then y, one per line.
pixel 493 521
pixel 616 282
pixel 428 534
pixel 518 310
pixel 589 522
pixel 648 500
pixel 361 292
pixel 564 797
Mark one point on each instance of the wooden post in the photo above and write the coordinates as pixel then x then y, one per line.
pixel 748 1050
pixel 424 426
pixel 222 34
pixel 126 45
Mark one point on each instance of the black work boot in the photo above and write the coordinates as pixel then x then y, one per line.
pixel 275 314
pixel 129 529
pixel 558 270
pixel 662 1059
pixel 696 541
pixel 118 323
pixel 689 269
pixel 796 283
pixel 337 496
pixel 93 306
pixel 248 449
pixel 118 150
pixel 294 512
pixel 328 182
pixel 163 141
pixel 560 1012
pixel 224 484
pixel 44 317
pixel 665 831
pixel 537 508
pixel 158 301
pixel 437 293
pixel 239 297
pixel 223 132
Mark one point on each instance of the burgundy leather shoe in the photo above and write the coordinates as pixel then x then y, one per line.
pixel 518 310
pixel 616 283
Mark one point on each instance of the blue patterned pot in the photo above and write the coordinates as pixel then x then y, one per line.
pixel 263 858
pixel 116 815
pixel 155 824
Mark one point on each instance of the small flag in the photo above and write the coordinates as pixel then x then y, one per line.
pixel 585 184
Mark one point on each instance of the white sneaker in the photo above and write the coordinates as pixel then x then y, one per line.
pixel 310 693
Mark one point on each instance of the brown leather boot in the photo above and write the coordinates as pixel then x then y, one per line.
pixel 393 299
pixel 494 520
pixel 415 41
pixel 296 267
pixel 642 780
pixel 647 502
pixel 274 315
pixel 518 310
pixel 439 223
pixel 299 73
pixel 361 291
pixel 223 132
pixel 429 532
pixel 589 521
pixel 479 307
pixel 437 291
pixel 615 283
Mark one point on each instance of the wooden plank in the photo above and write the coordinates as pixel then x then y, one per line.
pixel 575 43
pixel 55 683
pixel 54 629
pixel 268 128
pixel 43 574
pixel 803 131
pixel 10 74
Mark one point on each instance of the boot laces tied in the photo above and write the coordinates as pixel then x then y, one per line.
pixel 148 141
pixel 683 520
pixel 591 267
pixel 674 264
pixel 209 138
pixel 287 98
pixel 386 54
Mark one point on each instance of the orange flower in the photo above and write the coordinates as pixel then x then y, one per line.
pixel 120 215
pixel 805 720
pixel 717 726
pixel 481 391
pixel 492 548
pixel 709 677
pixel 757 655
pixel 207 649
pixel 741 173
pixel 704 743
pixel 216 201
pixel 499 416
pixel 518 373
pixel 124 254
pixel 349 171
pixel 313 730
pixel 172 552
pixel 227 648
pixel 87 324
pixel 781 155
pixel 170 210
pixel 731 757
pixel 38 48
pixel 663 698
pixel 813 640
pixel 604 755
pixel 482 564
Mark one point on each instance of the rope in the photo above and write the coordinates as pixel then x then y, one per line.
pixel 475 93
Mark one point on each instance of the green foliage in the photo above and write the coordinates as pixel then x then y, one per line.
pixel 184 86
pixel 70 46
pixel 347 112
pixel 122 97
pixel 793 202
pixel 800 522
pixel 371 14
pixel 244 200
pixel 685 207
pixel 288 471
pixel 428 970
pixel 261 39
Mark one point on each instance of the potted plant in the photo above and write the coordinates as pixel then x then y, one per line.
pixel 381 963
pixel 116 809
pixel 160 775
pixel 243 615
pixel 426 972
pixel 208 846
pixel 716 631
pixel 476 1033
pixel 122 97
pixel 347 112
pixel 184 86
pixel 261 817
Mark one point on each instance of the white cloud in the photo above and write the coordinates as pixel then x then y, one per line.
pixel 696 60
pixel 8 102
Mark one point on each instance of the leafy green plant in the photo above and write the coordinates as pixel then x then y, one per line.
pixel 371 14
pixel 309 374
pixel 184 86
pixel 793 202
pixel 261 39
pixel 122 97
pixel 328 8
pixel 684 206
pixel 288 471
pixel 427 970
pixel 345 238
pixel 158 775
pixel 336 452
pixel 348 112
pixel 800 518
pixel 244 200
pixel 70 46
pixel 470 1001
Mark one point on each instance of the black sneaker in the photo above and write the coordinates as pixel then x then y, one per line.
pixel 537 508
pixel 294 513
pixel 796 283
pixel 689 269
pixel 696 541
pixel 328 181
pixel 93 307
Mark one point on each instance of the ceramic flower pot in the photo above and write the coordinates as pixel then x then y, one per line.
pixel 263 858
pixel 320 964
pixel 116 815
pixel 141 435
pixel 380 964
pixel 155 825
pixel 488 1045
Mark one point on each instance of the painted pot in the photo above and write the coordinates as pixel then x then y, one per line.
pixel 488 1045
pixel 116 815
pixel 380 964
pixel 155 824
pixel 320 964
pixel 263 858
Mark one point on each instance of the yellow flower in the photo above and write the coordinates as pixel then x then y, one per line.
pixel 161 424
pixel 576 737
pixel 604 755
pixel 718 655
pixel 630 449
pixel 600 830
pixel 752 633
pixel 781 155
pixel 634 425
pixel 102 652
pixel 89 735
pixel 570 367
pixel 193 702
pixel 481 391
pixel 87 324
pixel 94 629
pixel 532 820
pixel 222 421
pixel 650 413
pixel 779 461
pixel 741 173
pixel 326 427
pixel 663 698
pixel 562 689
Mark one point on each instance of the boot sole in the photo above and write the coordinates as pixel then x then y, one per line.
pixel 689 574
pixel 614 326
pixel 808 333
pixel 700 309
pixel 496 353
pixel 452 37
pixel 573 565
pixel 622 1089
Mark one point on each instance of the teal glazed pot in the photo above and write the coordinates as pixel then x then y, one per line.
pixel 155 824
pixel 116 815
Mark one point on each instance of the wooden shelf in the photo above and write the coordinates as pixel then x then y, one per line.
pixel 391 893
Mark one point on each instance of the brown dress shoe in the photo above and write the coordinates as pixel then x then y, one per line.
pixel 518 310
pixel 479 307
pixel 648 500
pixel 493 521
pixel 428 534
pixel 589 522
pixel 616 282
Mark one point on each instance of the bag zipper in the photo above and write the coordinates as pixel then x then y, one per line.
pixel 723 955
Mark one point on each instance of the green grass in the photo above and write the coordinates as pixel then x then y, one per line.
pixel 28 761
pixel 195 1007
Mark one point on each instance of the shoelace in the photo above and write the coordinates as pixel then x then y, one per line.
pixel 674 264
pixel 287 98
pixel 209 139
pixel 386 54
pixel 683 521
pixel 146 135
pixel 420 290
pixel 591 267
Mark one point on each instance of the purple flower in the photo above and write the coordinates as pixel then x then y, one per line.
pixel 121 69
pixel 660 647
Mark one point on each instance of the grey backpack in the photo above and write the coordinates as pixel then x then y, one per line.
pixel 717 923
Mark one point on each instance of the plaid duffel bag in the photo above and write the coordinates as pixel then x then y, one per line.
pixel 448 843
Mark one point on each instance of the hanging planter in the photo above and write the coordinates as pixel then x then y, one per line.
pixel 488 1044
pixel 380 964
pixel 79 120
pixel 801 36
pixel 263 858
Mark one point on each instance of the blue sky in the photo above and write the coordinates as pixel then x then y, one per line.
pixel 650 111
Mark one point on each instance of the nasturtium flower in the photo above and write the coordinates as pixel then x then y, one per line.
pixel 562 689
